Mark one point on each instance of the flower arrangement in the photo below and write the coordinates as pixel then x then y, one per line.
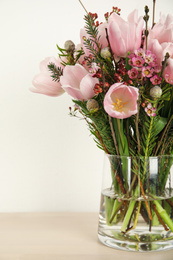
pixel 120 78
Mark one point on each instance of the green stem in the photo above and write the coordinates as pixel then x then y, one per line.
pixel 128 216
pixel 115 208
pixel 163 214
pixel 147 145
pixel 120 131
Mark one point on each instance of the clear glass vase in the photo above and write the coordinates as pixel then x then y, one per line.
pixel 136 209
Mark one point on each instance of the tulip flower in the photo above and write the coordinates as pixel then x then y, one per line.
pixel 121 101
pixel 160 49
pixel 78 83
pixel 125 36
pixel 162 31
pixel 43 82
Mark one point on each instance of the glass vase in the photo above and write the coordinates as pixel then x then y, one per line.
pixel 136 209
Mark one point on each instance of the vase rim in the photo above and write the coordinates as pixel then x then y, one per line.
pixel 139 157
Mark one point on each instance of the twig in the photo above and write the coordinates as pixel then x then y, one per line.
pixel 146 203
pixel 100 139
pixel 146 18
pixel 107 37
pixel 154 5
pixel 113 134
pixel 83 6
pixel 137 129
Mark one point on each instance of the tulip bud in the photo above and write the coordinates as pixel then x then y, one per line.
pixel 92 105
pixel 105 53
pixel 69 46
pixel 155 92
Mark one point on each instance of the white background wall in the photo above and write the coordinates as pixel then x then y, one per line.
pixel 48 160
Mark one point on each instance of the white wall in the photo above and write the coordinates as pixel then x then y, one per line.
pixel 48 161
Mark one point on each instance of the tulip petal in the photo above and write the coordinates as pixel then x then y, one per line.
pixel 75 93
pixel 73 75
pixel 44 85
pixel 116 41
pixel 87 86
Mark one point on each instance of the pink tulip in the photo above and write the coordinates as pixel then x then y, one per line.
pixel 163 30
pixel 101 34
pixel 78 83
pixel 121 101
pixel 43 82
pixel 125 36
pixel 160 49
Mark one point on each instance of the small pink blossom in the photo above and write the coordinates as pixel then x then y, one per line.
pixel 94 68
pixel 156 80
pixel 133 73
pixel 121 101
pixel 157 68
pixel 140 52
pixel 130 62
pixel 150 110
pixel 138 61
pixel 150 58
pixel 147 71
pixel 78 83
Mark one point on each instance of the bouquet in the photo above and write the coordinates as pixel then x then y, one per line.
pixel 120 78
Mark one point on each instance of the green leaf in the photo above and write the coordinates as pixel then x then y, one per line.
pixel 159 124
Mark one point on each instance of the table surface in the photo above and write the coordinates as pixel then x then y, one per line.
pixel 59 236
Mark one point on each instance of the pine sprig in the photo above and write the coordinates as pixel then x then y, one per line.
pixel 56 72
pixel 92 30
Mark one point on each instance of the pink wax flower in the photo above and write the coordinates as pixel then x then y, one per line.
pixel 125 36
pixel 150 110
pixel 138 61
pixel 156 80
pixel 121 101
pixel 133 73
pixel 78 83
pixel 101 35
pixel 94 68
pixel 150 58
pixel 43 82
pixel 140 52
pixel 147 71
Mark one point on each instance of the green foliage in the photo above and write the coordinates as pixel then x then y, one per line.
pixel 99 127
pixel 56 72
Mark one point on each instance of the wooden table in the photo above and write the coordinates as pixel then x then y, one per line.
pixel 59 236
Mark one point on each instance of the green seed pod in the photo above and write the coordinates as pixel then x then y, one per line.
pixel 105 53
pixel 69 46
pixel 92 105
pixel 155 92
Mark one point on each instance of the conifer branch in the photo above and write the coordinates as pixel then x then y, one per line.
pixel 56 71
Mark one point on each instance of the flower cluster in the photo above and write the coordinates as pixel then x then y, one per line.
pixel 125 67
pixel 144 65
